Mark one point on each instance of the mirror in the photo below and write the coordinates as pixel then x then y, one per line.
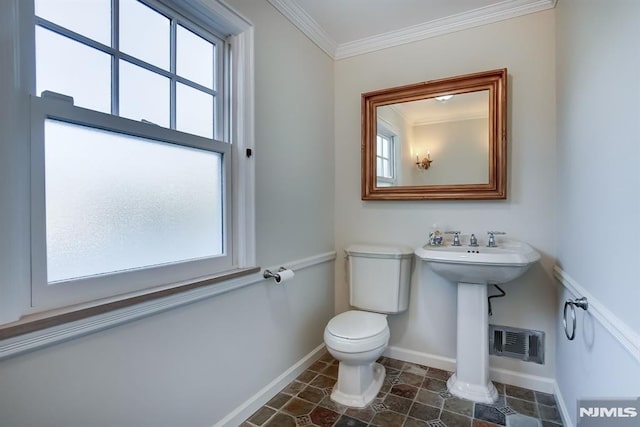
pixel 437 140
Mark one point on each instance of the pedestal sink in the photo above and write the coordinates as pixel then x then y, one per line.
pixel 473 268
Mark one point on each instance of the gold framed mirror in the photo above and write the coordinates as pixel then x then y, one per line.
pixel 437 140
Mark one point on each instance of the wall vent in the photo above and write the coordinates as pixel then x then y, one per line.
pixel 523 344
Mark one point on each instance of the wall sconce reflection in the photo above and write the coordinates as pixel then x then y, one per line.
pixel 425 163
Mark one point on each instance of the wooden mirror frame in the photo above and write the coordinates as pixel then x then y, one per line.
pixel 495 81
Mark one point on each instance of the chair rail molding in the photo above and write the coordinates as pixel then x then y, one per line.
pixel 41 338
pixel 626 336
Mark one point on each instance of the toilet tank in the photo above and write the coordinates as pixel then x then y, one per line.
pixel 379 277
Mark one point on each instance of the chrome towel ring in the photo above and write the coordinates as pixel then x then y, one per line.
pixel 580 302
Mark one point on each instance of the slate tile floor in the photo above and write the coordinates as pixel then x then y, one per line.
pixel 412 396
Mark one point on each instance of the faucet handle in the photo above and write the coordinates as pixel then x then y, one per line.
pixel 456 237
pixel 491 242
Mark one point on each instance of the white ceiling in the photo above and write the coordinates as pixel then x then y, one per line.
pixel 349 20
pixel 344 28
pixel 466 106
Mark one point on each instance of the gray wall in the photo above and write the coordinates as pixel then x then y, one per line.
pixel 193 365
pixel 598 93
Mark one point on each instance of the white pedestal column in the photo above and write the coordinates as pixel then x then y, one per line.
pixel 471 380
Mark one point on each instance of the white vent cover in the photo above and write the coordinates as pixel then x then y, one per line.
pixel 523 344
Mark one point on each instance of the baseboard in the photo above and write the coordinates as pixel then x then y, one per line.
pixel 255 402
pixel 562 407
pixel 532 382
pixel 420 358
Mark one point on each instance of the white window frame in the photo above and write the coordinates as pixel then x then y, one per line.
pixel 391 136
pixel 46 295
pixel 178 18
pixel 17 286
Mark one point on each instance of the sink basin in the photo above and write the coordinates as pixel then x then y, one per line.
pixel 473 268
pixel 481 265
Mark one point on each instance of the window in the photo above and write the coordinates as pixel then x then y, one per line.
pixel 137 123
pixel 151 64
pixel 385 159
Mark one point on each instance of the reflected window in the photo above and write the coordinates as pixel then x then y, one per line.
pixel 385 159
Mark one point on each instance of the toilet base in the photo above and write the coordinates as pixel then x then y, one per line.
pixel 358 385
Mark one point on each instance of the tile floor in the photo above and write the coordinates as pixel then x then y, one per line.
pixel 412 395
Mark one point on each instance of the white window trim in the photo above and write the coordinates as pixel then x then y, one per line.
pixel 79 290
pixel 17 20
pixel 384 129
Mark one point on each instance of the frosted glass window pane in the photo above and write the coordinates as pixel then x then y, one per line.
pixel 194 111
pixel 194 57
pixel 71 68
pixel 116 202
pixel 144 94
pixel 91 18
pixel 144 33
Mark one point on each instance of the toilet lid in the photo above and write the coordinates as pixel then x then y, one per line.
pixel 357 324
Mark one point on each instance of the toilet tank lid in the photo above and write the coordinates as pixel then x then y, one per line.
pixel 356 324
pixel 379 251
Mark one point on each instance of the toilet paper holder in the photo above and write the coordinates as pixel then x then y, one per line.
pixel 268 274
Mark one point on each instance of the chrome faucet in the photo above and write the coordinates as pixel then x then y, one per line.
pixel 473 241
pixel 491 242
pixel 456 237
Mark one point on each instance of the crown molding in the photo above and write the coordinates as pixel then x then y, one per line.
pixel 506 9
pixel 305 23
pixel 485 15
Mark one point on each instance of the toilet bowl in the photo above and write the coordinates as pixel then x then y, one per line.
pixel 356 339
pixel 379 281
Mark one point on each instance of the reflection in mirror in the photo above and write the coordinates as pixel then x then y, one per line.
pixel 434 141
pixel 442 139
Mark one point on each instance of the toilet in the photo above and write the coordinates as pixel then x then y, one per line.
pixel 379 281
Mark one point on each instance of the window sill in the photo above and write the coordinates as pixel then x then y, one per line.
pixel 72 321
pixel 40 330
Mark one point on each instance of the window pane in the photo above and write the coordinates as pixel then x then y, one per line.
pixel 116 202
pixel 91 18
pixel 71 68
pixel 379 167
pixel 194 57
pixel 144 95
pixel 385 147
pixel 144 33
pixel 379 145
pixel 194 111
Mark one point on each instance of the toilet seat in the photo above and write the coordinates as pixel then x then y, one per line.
pixel 357 331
